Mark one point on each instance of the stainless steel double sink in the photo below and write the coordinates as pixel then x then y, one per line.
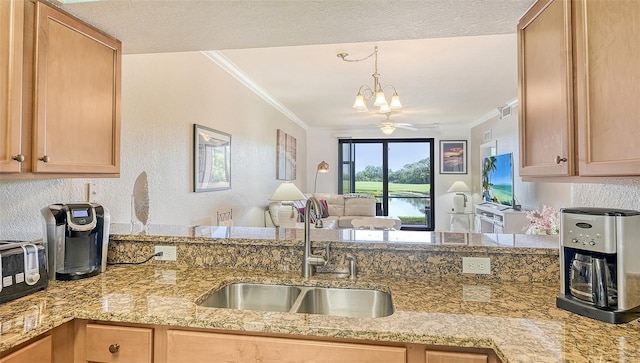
pixel 362 303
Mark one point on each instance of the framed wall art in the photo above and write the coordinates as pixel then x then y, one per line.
pixel 211 159
pixel 286 156
pixel 453 156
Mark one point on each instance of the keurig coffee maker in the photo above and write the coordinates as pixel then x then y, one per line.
pixel 599 269
pixel 76 239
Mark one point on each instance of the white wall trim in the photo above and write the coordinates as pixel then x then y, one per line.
pixel 226 64
pixel 493 113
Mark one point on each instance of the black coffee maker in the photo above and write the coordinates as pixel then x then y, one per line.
pixel 76 239
pixel 599 254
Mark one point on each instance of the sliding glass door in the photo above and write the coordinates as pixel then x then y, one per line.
pixel 397 172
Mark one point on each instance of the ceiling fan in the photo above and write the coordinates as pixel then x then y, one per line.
pixel 388 126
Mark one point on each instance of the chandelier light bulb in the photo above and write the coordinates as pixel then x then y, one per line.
pixel 380 100
pixel 384 108
pixel 359 103
pixel 395 102
pixel 387 129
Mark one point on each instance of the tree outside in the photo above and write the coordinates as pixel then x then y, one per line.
pixel 410 184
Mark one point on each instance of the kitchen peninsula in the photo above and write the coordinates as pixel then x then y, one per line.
pixel 514 318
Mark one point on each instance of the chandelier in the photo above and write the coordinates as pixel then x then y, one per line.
pixel 366 93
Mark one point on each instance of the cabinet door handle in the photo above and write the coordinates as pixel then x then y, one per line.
pixel 19 158
pixel 114 348
pixel 560 160
pixel 45 159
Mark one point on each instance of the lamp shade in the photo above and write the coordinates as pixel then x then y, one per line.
pixel 384 108
pixel 287 191
pixel 459 187
pixel 360 105
pixel 395 102
pixel 323 167
pixel 380 99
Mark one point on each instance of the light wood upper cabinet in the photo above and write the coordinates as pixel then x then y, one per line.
pixel 545 88
pixel 607 97
pixel 36 352
pixel 11 37
pixel 579 86
pixel 76 126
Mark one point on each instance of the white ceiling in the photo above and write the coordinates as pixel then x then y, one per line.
pixel 452 61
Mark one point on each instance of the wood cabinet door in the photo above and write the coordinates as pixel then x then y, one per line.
pixel 452 357
pixel 77 96
pixel 196 347
pixel 11 35
pixel 545 90
pixel 607 44
pixel 106 343
pixel 37 352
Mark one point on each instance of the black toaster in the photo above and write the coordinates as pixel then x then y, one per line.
pixel 23 268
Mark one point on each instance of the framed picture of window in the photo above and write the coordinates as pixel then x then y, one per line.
pixel 211 159
pixel 286 155
pixel 453 156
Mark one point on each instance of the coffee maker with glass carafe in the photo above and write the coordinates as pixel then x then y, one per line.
pixel 599 269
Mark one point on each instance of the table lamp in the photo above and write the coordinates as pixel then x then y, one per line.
pixel 460 199
pixel 286 192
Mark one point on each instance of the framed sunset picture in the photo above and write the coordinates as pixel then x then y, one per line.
pixel 453 156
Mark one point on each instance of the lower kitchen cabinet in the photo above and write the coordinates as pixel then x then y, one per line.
pixel 107 344
pixel 36 352
pixel 102 342
pixel 189 346
pixel 451 357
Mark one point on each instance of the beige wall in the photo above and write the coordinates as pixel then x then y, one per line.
pixel 504 132
pixel 163 95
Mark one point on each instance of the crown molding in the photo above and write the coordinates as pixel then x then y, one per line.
pixel 493 113
pixel 228 66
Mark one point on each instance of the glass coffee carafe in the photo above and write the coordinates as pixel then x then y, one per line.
pixel 593 280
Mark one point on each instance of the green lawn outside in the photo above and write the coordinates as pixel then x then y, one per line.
pixel 395 189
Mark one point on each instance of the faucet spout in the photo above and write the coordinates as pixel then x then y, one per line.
pixel 310 260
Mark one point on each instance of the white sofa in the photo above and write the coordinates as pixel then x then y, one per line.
pixel 345 208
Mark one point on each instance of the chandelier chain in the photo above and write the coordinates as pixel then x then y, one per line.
pixel 344 56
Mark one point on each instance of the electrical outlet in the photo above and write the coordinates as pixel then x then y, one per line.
pixel 476 265
pixel 168 253
pixel 93 192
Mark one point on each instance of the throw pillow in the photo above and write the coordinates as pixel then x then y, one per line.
pixel 325 208
pixel 301 212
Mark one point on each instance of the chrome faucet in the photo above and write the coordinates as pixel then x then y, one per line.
pixel 309 260
pixel 352 266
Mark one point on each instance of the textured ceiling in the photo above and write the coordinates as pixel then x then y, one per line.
pixel 444 80
pixel 452 61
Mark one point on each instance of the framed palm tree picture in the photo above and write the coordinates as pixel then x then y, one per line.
pixel 453 156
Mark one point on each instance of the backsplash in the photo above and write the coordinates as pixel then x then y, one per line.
pixel 513 262
pixel 618 193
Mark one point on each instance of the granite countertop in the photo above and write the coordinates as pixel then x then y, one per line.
pixel 517 320
pixel 363 238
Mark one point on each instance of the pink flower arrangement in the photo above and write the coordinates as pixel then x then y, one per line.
pixel 545 221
